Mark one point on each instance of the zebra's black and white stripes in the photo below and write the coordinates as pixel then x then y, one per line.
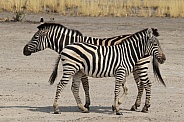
pixel 106 61
pixel 49 33
pixel 53 36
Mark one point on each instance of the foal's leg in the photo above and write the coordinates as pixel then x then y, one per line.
pixel 125 92
pixel 147 87
pixel 145 83
pixel 141 77
pixel 140 87
pixel 120 76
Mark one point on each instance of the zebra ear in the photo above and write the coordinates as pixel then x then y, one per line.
pixel 150 33
pixel 41 20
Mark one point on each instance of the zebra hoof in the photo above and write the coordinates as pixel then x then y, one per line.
pixel 119 113
pixel 85 111
pixel 87 107
pixel 56 112
pixel 134 108
pixel 145 109
pixel 113 108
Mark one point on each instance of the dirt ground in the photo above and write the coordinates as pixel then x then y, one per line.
pixel 26 96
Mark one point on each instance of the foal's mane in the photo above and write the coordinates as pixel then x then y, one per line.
pixel 155 32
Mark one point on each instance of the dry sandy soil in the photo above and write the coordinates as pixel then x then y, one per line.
pixel 25 94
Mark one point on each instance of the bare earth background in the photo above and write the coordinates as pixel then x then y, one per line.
pixel 25 94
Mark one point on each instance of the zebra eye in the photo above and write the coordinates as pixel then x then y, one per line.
pixel 36 37
pixel 155 44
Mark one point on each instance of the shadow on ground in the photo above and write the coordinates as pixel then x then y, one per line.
pixel 49 109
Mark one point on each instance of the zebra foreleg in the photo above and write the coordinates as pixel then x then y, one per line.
pixel 139 95
pixel 125 92
pixel 141 76
pixel 75 89
pixel 140 87
pixel 119 81
pixel 148 96
pixel 85 84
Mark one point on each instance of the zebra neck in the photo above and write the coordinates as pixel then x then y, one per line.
pixel 57 43
pixel 133 48
pixel 54 45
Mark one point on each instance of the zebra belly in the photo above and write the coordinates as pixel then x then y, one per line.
pixel 98 75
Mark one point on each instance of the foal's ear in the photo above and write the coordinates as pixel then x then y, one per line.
pixel 150 33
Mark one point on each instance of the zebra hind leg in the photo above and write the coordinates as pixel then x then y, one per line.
pixel 75 90
pixel 65 79
pixel 85 84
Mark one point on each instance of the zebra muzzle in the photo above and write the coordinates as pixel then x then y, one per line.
pixel 162 58
pixel 26 52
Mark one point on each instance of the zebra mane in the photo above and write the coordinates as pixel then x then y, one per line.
pixel 124 37
pixel 155 32
pixel 47 25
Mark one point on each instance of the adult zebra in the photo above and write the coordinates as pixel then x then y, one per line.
pixel 55 35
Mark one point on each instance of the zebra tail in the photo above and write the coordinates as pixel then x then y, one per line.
pixel 156 71
pixel 54 72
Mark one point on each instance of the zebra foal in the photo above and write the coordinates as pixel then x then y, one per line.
pixel 106 61
pixel 140 71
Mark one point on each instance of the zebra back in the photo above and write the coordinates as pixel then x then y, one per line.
pixel 97 41
pixel 105 61
pixel 92 40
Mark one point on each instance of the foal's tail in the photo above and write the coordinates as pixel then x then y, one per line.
pixel 156 71
pixel 54 72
